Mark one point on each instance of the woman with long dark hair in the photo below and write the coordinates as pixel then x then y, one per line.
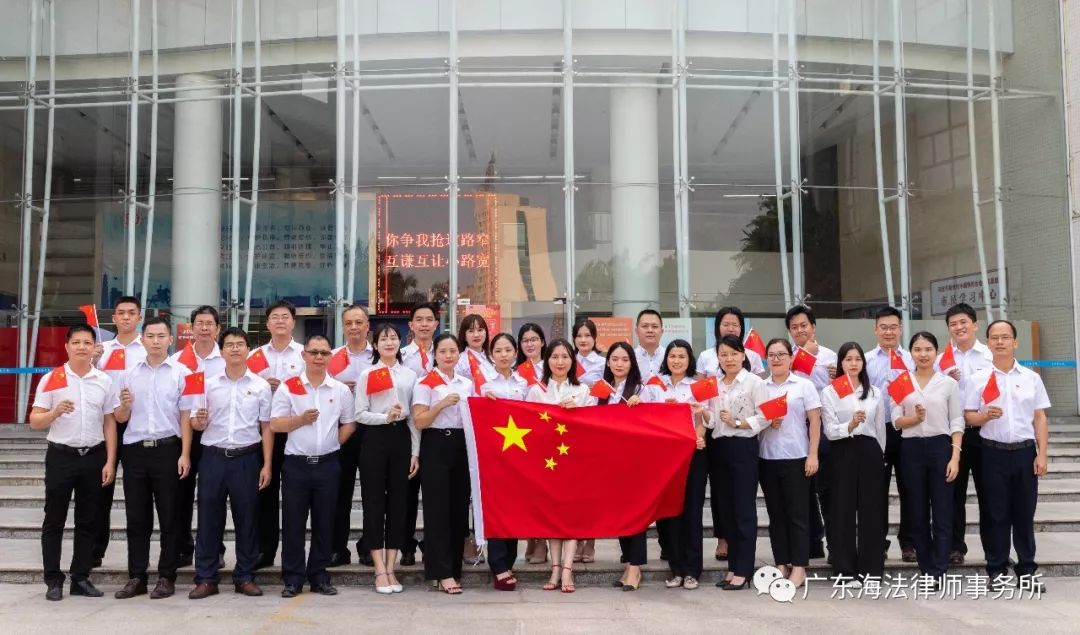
pixel 473 336
pixel 590 360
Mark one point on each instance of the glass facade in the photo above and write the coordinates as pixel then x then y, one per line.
pixel 597 160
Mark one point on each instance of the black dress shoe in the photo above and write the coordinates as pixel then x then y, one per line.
pixel 290 591
pixel 728 586
pixel 907 554
pixel 956 558
pixel 408 558
pixel 55 593
pixel 340 559
pixel 84 588
pixel 133 587
pixel 324 588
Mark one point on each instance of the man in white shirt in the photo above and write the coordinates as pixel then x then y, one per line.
pixel 802 328
pixel 419 357
pixel 156 449
pixel 205 356
pixel 649 328
pixel 887 330
pixel 1011 415
pixel 970 356
pixel 283 360
pixel 316 412
pixel 76 403
pixel 237 444
pixel 359 355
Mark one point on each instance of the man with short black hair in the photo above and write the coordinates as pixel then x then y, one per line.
pixel 649 328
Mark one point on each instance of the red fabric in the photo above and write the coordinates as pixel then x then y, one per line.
pixel 477 373
pixel 775 408
pixel 754 343
pixel 704 389
pixel 423 356
pixel 90 311
pixel 895 361
pixel 803 362
pixel 194 384
pixel 187 358
pixel 296 386
pixel 590 471
pixel 527 370
pixel 339 361
pixel 379 380
pixel 901 387
pixel 256 362
pixel 842 386
pixel 948 360
pixel 656 381
pixel 580 370
pixel 117 360
pixel 57 379
pixel 433 380
pixel 991 391
pixel 601 390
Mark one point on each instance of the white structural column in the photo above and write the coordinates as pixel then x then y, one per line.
pixel 635 199
pixel 197 204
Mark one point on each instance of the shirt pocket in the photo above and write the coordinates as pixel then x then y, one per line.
pixel 1023 394
pixel 249 407
pixel 94 398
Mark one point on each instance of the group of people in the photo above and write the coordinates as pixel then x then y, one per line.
pixel 279 432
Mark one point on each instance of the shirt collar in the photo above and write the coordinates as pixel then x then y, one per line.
pixel 790 380
pixel 215 352
pixel 94 372
pixel 364 351
pixel 292 345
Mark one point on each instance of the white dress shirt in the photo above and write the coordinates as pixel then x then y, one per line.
pixel 94 395
pixel 881 373
pixel 792 439
pixel 708 364
pixel 836 414
pixel 335 405
pixel 741 399
pixel 410 356
pixel 943 403
pixel 156 402
pixel 557 393
pixel 1022 393
pixel 236 409
pixel 212 364
pixel 464 369
pixel 679 392
pixel 448 418
pixel 820 375
pixel 617 396
pixel 649 365
pixel 501 387
pixel 133 354
pixel 977 358
pixel 593 366
pixel 358 363
pixel 285 363
pixel 371 410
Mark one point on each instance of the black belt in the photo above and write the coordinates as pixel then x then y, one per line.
pixel 1019 445
pixel 446 431
pixel 232 453
pixel 83 451
pixel 153 443
pixel 313 460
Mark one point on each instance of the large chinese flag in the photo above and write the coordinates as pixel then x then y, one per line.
pixel 599 471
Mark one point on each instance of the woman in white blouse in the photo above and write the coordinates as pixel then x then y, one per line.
pixel 389 454
pixel 444 480
pixel 855 426
pixel 736 422
pixel 931 423
pixel 789 457
pixel 561 387
pixel 473 336
pixel 502 552
pixel 590 362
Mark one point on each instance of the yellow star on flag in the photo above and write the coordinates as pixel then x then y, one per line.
pixel 513 435
pixel 544 416
pixel 550 463
pixel 560 428
pixel 563 448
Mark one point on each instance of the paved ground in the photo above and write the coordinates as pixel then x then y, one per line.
pixel 23 609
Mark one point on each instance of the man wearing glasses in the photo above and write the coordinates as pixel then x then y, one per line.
pixel 879 368
pixel 316 412
pixel 283 359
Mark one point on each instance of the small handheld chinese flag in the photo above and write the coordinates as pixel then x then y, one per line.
pixel 901 387
pixel 90 311
pixel 339 361
pixel 754 343
pixel 580 369
pixel 803 362
pixel 991 391
pixel 295 386
pixel 477 373
pixel 895 361
pixel 775 408
pixel 705 389
pixel 117 360
pixel 656 381
pixel 602 390
pixel 433 380
pixel 527 370
pixel 187 358
pixel 256 362
pixel 379 380
pixel 194 384
pixel 57 380
pixel 948 359
pixel 842 386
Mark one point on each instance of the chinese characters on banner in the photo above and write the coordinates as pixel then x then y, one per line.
pixel 966 288
pixel 613 329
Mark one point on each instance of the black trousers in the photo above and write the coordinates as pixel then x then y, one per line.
pixel 786 488
pixel 1012 492
pixel 718 520
pixel 104 526
pixel 307 487
pixel 502 553
pixel 858 502
pixel 235 480
pixel 185 506
pixel 634 549
pixel 970 464
pixel 446 501
pixel 736 463
pixel 269 505
pixel 412 511
pixel 892 465
pixel 819 495
pixel 685 532
pixel 929 500
pixel 150 480
pixel 67 473
pixel 384 475
pixel 349 459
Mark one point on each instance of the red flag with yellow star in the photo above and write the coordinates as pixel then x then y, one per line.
pixel 602 471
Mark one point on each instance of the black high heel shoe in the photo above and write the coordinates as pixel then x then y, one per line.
pixel 729 586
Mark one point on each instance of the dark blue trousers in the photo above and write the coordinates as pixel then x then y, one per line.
pixel 237 479
pixel 970 463
pixel 307 487
pixel 736 463
pixel 929 500
pixel 1012 491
